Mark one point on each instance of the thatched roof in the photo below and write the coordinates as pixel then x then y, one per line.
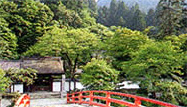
pixel 47 65
pixel 5 65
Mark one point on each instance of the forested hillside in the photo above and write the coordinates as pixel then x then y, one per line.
pixel 111 44
pixel 145 5
pixel 119 14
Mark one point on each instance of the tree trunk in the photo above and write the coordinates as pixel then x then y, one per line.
pixel 70 69
pixel 74 70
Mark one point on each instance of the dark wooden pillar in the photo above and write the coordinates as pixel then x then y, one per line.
pixel 51 82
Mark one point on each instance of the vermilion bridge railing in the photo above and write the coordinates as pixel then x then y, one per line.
pixel 80 98
pixel 23 101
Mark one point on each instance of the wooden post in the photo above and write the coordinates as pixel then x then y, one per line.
pixel 91 98
pixel 107 99
pixel 68 98
pixel 80 97
pixel 137 102
pixel 13 87
pixel 73 97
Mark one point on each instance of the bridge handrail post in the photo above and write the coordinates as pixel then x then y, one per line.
pixel 91 98
pixel 137 102
pixel 24 100
pixel 80 97
pixel 107 99
pixel 68 99
pixel 73 97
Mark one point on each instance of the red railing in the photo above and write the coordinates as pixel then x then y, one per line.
pixel 80 98
pixel 23 101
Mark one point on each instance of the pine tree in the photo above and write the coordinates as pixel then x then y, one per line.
pixel 112 13
pixel 184 17
pixel 121 14
pixel 150 18
pixel 76 5
pixel 138 21
pixel 103 14
pixel 93 7
pixel 130 16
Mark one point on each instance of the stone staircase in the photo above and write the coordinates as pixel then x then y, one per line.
pixel 42 95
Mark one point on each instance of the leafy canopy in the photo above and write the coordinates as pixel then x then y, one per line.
pixel 98 75
pixel 21 75
pixel 123 43
pixel 10 76
pixel 156 64
pixel 8 39
pixel 59 41
pixel 4 83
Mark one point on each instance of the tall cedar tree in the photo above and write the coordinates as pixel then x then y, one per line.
pixel 169 15
pixel 118 14
pixel 92 4
pixel 150 18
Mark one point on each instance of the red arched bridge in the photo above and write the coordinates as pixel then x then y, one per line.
pixel 101 99
pixel 90 97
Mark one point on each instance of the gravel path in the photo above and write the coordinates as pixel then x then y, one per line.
pixel 69 105
pixel 52 102
pixel 46 102
pixel 5 103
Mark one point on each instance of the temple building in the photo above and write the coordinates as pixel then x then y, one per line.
pixel 50 75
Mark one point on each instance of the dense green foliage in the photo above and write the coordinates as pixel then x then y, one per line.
pixel 16 75
pixel 75 46
pixel 121 45
pixel 27 20
pixel 98 75
pixel 71 13
pixel 21 75
pixel 4 83
pixel 154 65
pixel 8 39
